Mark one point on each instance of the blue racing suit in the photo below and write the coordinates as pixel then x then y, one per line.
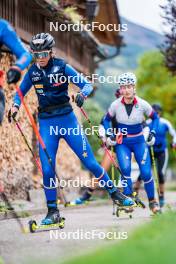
pixel 129 120
pixel 57 120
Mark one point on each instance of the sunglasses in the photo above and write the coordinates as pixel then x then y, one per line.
pixel 42 54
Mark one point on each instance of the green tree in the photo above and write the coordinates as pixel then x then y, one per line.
pixel 157 85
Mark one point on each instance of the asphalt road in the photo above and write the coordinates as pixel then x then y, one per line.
pixel 86 228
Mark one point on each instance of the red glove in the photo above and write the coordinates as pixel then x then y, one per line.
pixel 2 78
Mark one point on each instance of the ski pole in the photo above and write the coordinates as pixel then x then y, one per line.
pixel 16 216
pixel 101 142
pixel 27 143
pixel 113 178
pixel 155 171
pixel 33 124
pixel 32 152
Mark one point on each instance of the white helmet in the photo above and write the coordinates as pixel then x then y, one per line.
pixel 127 78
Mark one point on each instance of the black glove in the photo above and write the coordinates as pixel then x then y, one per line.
pixel 79 100
pixel 111 141
pixel 11 115
pixel 13 75
pixel 151 138
pixel 2 105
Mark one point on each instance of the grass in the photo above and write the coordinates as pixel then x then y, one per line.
pixel 1 260
pixel 153 243
pixel 171 188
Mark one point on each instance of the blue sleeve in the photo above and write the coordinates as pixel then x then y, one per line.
pixel 155 120
pixel 106 123
pixel 25 86
pixel 79 80
pixel 9 38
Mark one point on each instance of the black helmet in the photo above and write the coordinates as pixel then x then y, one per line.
pixel 42 41
pixel 157 107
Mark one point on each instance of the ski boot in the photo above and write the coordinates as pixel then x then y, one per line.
pixel 154 207
pixel 84 198
pixel 53 215
pixel 161 201
pixel 121 200
pixel 124 204
pixel 52 221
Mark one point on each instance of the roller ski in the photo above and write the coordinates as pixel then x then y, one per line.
pixel 124 204
pixel 129 210
pixel 120 210
pixel 121 200
pixel 52 221
pixel 154 207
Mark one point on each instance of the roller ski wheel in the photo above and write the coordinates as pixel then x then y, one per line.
pixel 154 207
pixel 34 227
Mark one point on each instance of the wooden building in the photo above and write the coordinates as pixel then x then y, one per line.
pixel 80 49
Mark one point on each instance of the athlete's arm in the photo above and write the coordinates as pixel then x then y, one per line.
pixel 107 119
pixel 79 80
pixel 148 110
pixel 171 131
pixel 13 42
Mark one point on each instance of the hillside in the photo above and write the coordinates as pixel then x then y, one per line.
pixel 138 40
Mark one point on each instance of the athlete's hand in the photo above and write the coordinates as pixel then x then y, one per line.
pixel 2 78
pixel 13 75
pixel 146 131
pixel 151 138
pixel 13 113
pixel 79 100
pixel 111 141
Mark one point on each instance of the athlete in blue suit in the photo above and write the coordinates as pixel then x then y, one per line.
pixel 50 77
pixel 9 38
pixel 129 111
pixel 160 149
